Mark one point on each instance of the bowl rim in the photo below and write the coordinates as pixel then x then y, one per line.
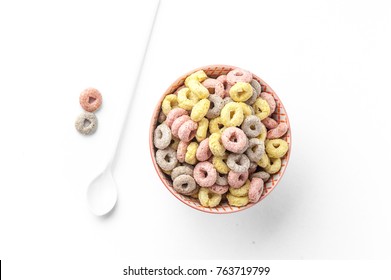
pixel 156 111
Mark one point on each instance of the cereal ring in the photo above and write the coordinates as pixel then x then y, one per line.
pixel 90 99
pixel 263 134
pixel 237 201
pixel 187 131
pixel 232 114
pixel 252 126
pixel 241 92
pixel 194 194
pixel 277 132
pixel 86 123
pixel 227 100
pixel 236 180
pixel 162 136
pixel 202 129
pixel 174 114
pixel 261 108
pixel 274 166
pixel 264 161
pixel 214 87
pixel 270 123
pixel 203 152
pixel 200 110
pixel 270 101
pixel 220 164
pixel 234 140
pixel 256 148
pixel 215 125
pixel 168 172
pixel 162 117
pixel 187 99
pixel 190 156
pixel 208 198
pixel 241 191
pixel 238 162
pixel 261 174
pixel 193 82
pixel 239 75
pixel 253 97
pixel 169 102
pixel 247 110
pixel 216 104
pixel 166 159
pixel 252 168
pixel 256 86
pixel 227 87
pixel 205 174
pixel 176 125
pixel 181 151
pixel 174 143
pixel 219 189
pixel 276 148
pixel 215 145
pixel 222 180
pixel 256 189
pixel 184 184
pixel 181 170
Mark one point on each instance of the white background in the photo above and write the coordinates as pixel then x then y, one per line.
pixel 329 62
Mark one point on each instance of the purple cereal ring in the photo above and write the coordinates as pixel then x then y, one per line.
pixel 174 114
pixel 181 151
pixel 187 131
pixel 270 100
pixel 270 123
pixel 90 99
pixel 237 179
pixel 234 140
pixel 277 132
pixel 214 86
pixel 226 86
pixel 256 189
pixel 219 189
pixel 178 123
pixel 239 75
pixel 203 152
pixel 205 174
pixel 184 184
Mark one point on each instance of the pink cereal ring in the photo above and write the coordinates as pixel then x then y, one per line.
pixel 178 123
pixel 270 100
pixel 90 99
pixel 277 132
pixel 181 151
pixel 188 130
pixel 174 114
pixel 227 87
pixel 269 123
pixel 205 174
pixel 214 86
pixel 239 75
pixel 237 179
pixel 234 139
pixel 219 189
pixel 256 189
pixel 203 152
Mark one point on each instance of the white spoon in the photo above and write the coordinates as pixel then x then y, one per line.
pixel 102 192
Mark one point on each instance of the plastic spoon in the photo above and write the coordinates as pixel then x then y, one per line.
pixel 102 192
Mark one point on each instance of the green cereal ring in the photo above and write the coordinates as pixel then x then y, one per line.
pixel 199 110
pixel 86 123
pixel 232 114
pixel 261 108
pixel 276 148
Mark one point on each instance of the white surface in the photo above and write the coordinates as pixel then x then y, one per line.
pixel 328 61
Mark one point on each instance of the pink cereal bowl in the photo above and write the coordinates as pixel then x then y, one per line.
pixel 213 71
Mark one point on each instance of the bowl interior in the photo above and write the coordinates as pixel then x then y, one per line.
pixel 280 115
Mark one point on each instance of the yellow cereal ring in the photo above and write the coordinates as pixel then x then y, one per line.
pixel 168 172
pixel 169 102
pixel 208 198
pixel 202 129
pixel 276 148
pixel 232 114
pixel 264 161
pixel 174 143
pixel 261 108
pixel 190 156
pixel 263 134
pixel 186 98
pixel 237 201
pixel 193 82
pixel 199 76
pixel 215 144
pixel 274 166
pixel 195 195
pixel 200 109
pixel 246 109
pixel 242 191
pixel 241 91
pixel 220 164
pixel 215 125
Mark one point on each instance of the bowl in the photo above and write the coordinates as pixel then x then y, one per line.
pixel 280 115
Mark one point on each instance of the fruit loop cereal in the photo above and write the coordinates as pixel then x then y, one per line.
pixel 219 138
pixel 90 99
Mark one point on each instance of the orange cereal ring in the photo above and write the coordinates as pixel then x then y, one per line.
pixel 90 99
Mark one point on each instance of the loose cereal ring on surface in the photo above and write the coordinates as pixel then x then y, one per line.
pixel 214 87
pixel 202 129
pixel 256 190
pixel 242 191
pixel 220 164
pixel 237 201
pixel 236 179
pixel 239 75
pixel 252 126
pixel 276 148
pixel 187 99
pixel 215 144
pixel 232 114
pixel 162 136
pixel 169 102
pixel 199 110
pixel 238 162
pixel 190 156
pixel 277 132
pixel 86 123
pixel 181 170
pixel 261 108
pixel 174 114
pixel 90 99
pixel 166 159
pixel 203 152
pixel 241 92
pixel 205 174
pixel 234 140
pixel 208 198
pixel 184 184
pixel 274 166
